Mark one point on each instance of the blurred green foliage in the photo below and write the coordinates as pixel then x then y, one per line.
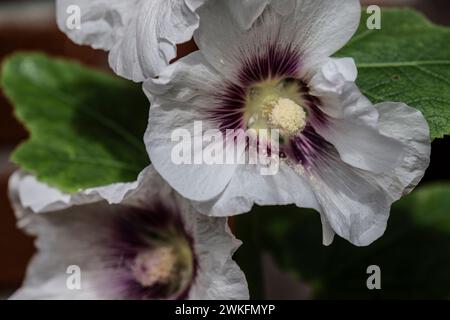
pixel 413 254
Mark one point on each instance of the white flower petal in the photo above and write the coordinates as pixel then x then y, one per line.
pixel 199 182
pixel 362 146
pixel 220 277
pixel 52 288
pixel 141 35
pixel 283 7
pixel 355 133
pixel 333 83
pixel 220 35
pixel 357 203
pixel 245 12
pixel 323 27
pixel 103 22
pixel 183 80
pixel 184 86
pixel 316 28
pixel 327 231
pixel 39 197
pixel 249 187
pixel 333 75
pixel 353 203
pixel 407 125
pixel 158 27
pixel 65 238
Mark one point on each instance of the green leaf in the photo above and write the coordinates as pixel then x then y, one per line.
pixel 413 254
pixel 408 60
pixel 86 126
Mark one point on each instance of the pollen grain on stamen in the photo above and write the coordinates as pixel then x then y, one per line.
pixel 287 116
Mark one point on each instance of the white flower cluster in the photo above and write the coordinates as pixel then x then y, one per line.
pixel 261 64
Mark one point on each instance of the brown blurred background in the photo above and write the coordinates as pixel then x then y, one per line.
pixel 25 25
pixel 30 25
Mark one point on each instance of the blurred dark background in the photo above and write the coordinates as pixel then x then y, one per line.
pixel 30 25
pixel 25 25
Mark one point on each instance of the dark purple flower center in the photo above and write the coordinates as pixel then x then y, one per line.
pixel 268 93
pixel 154 252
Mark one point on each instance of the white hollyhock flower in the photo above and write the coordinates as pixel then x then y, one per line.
pixel 152 246
pixel 141 35
pixel 339 153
